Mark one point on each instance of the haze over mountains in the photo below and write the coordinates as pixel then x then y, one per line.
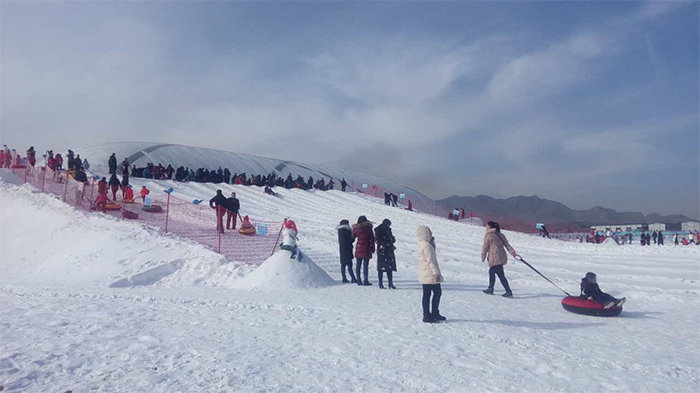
pixel 534 208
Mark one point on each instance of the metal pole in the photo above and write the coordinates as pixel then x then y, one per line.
pixel 92 191
pixel 167 214
pixel 218 212
pixel 278 236
pixel 43 179
pixel 65 189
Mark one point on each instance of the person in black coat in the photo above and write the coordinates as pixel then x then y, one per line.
pixel 112 162
pixel 219 202
pixel 394 200
pixel 345 240
pixel 590 288
pixel 233 205
pixel 387 199
pixel 386 259
pixel 343 184
pixel 114 185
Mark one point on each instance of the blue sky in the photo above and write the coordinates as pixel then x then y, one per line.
pixel 588 103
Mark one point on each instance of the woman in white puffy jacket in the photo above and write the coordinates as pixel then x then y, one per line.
pixel 429 275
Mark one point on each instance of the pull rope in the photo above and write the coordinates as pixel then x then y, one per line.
pixel 519 258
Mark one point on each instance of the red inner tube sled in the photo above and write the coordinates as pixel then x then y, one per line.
pixel 580 305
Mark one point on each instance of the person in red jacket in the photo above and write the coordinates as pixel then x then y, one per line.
pixel 364 247
pixel 144 191
pixel 128 194
pixel 102 186
pixel 101 202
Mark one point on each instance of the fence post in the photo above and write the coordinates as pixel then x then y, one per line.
pixel 167 214
pixel 43 179
pixel 219 220
pixel 65 189
pixel 278 237
pixel 92 192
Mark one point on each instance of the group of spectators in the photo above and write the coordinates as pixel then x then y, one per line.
pixel 223 175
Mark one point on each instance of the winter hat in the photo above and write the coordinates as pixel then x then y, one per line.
pixel 362 219
pixel 386 222
pixel 344 222
pixel 590 275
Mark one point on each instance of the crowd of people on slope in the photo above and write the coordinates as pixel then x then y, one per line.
pixel 362 240
pixel 495 250
pixel 224 175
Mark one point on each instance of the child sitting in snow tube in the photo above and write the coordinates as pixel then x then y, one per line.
pixel 593 301
pixel 247 228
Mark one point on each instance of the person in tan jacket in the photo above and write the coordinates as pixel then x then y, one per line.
pixel 429 274
pixel 494 249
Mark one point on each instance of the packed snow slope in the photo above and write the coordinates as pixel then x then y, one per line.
pixel 90 303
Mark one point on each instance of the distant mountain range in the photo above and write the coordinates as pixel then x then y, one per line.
pixel 536 209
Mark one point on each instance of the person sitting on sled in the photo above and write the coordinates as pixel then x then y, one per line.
pixel 289 240
pixel 101 202
pixel 591 290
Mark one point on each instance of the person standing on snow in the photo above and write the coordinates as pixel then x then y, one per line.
pixel 660 238
pixel 144 191
pixel 386 258
pixel 233 205
pixel 494 250
pixel 102 186
pixel 343 184
pixel 114 185
pixel 345 241
pixel 112 163
pixel 219 203
pixel 387 199
pixel 364 248
pixel 654 236
pixel 429 275
pixel 394 200
pixel 31 156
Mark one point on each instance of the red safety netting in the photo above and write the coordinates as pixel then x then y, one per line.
pixel 186 219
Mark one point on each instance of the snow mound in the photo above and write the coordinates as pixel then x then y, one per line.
pixel 610 242
pixel 45 241
pixel 280 272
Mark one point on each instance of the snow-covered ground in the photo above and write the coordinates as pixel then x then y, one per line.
pixel 92 303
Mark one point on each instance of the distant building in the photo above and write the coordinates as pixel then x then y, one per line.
pixel 657 227
pixel 686 226
pixel 690 226
pixel 619 228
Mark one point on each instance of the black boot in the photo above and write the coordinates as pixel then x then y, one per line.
pixel 508 294
pixel 381 280
pixel 488 291
pixel 390 276
pixel 437 316
pixel 342 271
pixel 427 318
